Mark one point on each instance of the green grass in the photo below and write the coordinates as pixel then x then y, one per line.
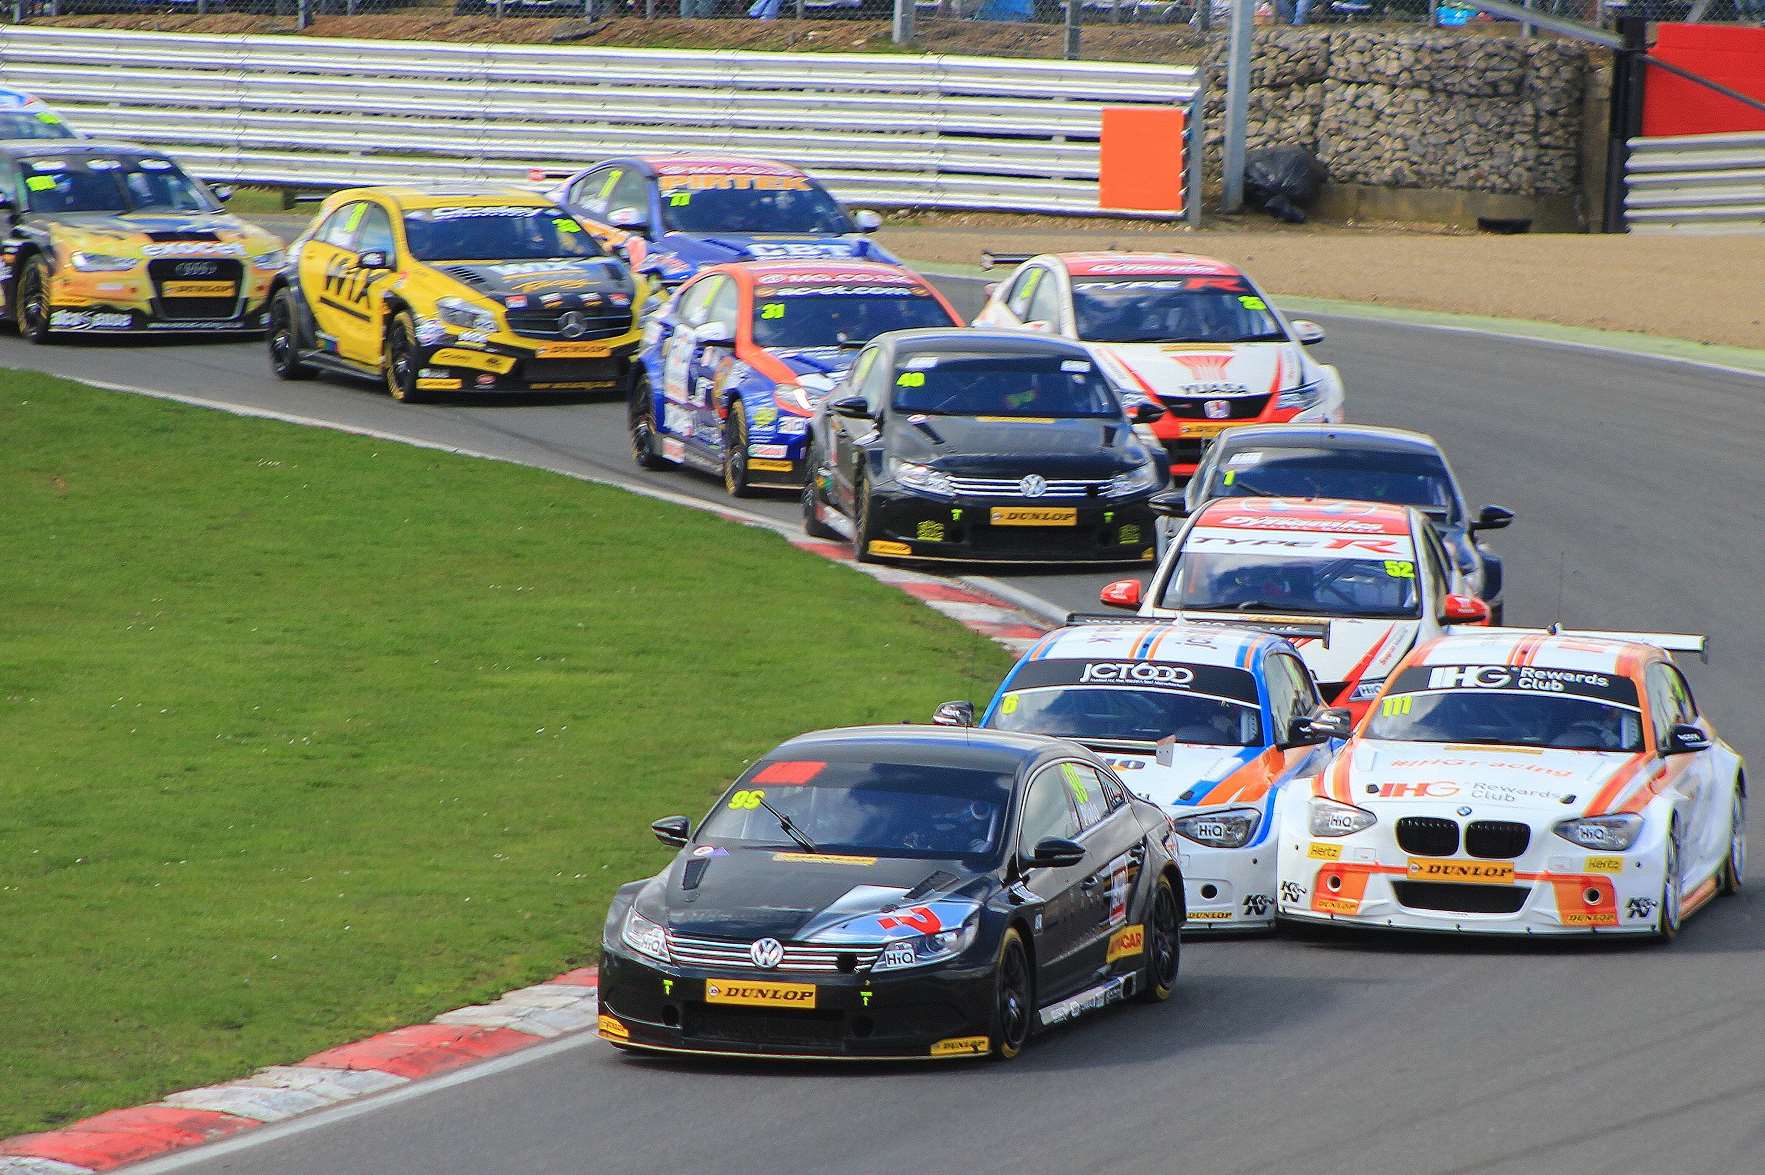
pixel 308 736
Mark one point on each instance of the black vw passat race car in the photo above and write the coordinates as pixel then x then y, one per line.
pixel 896 892
pixel 1362 463
pixel 981 445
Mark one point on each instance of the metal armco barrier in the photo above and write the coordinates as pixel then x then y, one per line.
pixel 946 132
pixel 1696 182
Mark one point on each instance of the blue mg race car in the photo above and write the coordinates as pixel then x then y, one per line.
pixel 674 214
pixel 731 370
pixel 1210 723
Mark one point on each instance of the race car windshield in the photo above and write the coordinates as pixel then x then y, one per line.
pixel 27 124
pixel 1409 479
pixel 498 233
pixel 867 808
pixel 828 320
pixel 99 183
pixel 1244 582
pixel 1172 310
pixel 750 204
pixel 1003 385
pixel 1128 715
pixel 1507 719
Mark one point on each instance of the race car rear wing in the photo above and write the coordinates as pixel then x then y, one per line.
pixel 989 259
pixel 1673 642
pixel 1291 629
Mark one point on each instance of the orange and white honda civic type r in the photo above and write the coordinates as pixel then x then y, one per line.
pixel 1192 334
pixel 1515 781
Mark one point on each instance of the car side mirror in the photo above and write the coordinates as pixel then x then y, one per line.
pixel 672 830
pixel 1492 518
pixel 1146 412
pixel 866 221
pixel 1170 503
pixel 1457 609
pixel 1307 332
pixel 714 334
pixel 1684 738
pixel 851 407
pixel 1056 852
pixel 1123 593
pixel 1322 726
pixel 954 714
pixel 372 259
pixel 222 192
pixel 632 220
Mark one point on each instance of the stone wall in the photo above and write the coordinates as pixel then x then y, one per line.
pixel 1501 115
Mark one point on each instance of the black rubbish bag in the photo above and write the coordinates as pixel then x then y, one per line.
pixel 1282 181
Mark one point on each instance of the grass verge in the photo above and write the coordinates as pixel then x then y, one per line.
pixel 309 736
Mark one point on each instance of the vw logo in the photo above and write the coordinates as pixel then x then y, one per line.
pixel 767 953
pixel 1464 811
pixel 1217 409
pixel 573 324
pixel 1033 486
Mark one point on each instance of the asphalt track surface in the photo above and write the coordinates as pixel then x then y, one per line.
pixel 1641 501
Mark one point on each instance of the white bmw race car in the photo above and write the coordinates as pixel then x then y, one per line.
pixel 1515 781
pixel 1189 333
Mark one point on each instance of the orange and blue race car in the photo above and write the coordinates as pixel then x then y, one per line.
pixel 732 369
pixel 673 215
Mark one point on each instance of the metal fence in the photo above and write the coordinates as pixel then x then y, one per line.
pixel 1691 182
pixel 893 131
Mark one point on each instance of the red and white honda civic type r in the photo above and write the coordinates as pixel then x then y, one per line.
pixel 1513 781
pixel 1189 333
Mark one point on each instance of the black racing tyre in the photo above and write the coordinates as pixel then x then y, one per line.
pixel 1668 918
pixel 812 524
pixel 1734 869
pixel 399 363
pixel 31 301
pixel 284 338
pixel 1164 928
pixel 641 423
pixel 863 529
pixel 735 451
pixel 1014 997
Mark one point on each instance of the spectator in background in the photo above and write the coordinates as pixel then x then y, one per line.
pixel 1296 12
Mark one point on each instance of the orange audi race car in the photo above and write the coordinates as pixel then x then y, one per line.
pixel 1192 334
pixel 454 290
pixel 1516 781
pixel 113 238
pixel 732 370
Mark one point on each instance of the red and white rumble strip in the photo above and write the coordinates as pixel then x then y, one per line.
pixel 453 1040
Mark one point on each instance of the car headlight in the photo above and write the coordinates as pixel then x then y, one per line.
pixel 1329 818
pixel 274 259
pixel 1367 690
pixel 102 262
pixel 923 478
pixel 458 312
pixel 1134 481
pixel 1301 396
pixel 1228 829
pixel 1602 833
pixel 928 948
pixel 644 936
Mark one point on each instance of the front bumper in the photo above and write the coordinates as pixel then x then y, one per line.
pixel 934 1012
pixel 1551 889
pixel 907 525
pixel 1227 889
pixel 510 363
pixel 1186 438
pixel 137 302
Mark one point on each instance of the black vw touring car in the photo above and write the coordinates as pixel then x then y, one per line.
pixel 896 892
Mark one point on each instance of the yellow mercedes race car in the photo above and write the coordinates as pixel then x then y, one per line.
pixel 111 237
pixel 454 290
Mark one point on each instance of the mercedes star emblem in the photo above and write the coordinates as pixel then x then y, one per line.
pixel 767 953
pixel 1033 486
pixel 572 324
